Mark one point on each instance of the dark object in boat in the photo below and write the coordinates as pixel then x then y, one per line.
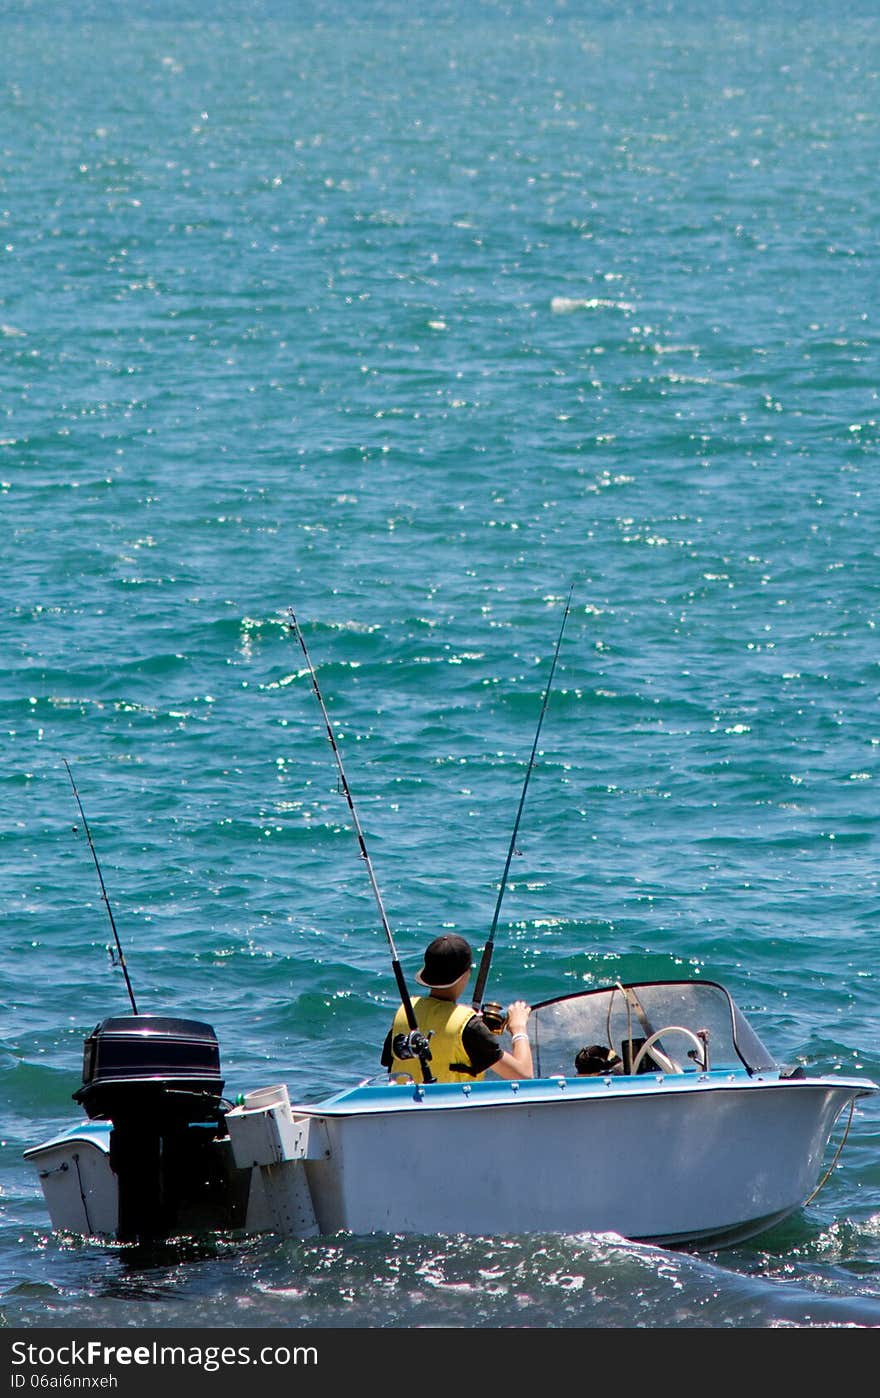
pixel 596 1059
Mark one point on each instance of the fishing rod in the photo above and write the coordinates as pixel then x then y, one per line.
pixel 416 1043
pixel 119 950
pixel 486 960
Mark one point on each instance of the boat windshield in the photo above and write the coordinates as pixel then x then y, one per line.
pixel 701 1028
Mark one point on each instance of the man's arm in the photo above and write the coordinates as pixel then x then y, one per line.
pixel 518 1062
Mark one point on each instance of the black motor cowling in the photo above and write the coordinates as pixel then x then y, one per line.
pixel 130 1061
pixel 158 1080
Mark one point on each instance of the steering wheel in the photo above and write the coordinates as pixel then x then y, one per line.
pixel 658 1033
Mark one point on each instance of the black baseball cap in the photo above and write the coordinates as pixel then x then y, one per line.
pixel 446 959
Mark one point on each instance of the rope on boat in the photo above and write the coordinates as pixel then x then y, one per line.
pixel 827 1175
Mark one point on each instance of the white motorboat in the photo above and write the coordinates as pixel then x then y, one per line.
pixel 704 1141
pixel 695 1136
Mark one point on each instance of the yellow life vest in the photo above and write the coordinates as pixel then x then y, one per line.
pixel 444 1021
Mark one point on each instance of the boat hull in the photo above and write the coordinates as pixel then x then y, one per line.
pixel 665 1162
pixel 677 1160
pixel 79 1187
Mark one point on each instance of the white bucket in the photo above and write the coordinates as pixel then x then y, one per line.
pixel 263 1097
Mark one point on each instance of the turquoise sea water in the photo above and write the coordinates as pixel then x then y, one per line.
pixel 408 317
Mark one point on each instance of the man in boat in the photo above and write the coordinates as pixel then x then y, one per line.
pixel 463 1048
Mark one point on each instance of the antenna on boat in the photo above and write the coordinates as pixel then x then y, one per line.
pixel 486 961
pixel 417 1041
pixel 119 950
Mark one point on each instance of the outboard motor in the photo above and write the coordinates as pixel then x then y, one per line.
pixel 158 1080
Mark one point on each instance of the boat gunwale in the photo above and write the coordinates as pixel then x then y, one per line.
pixel 93 1132
pixel 556 1090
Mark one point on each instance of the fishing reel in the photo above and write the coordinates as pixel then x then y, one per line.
pixel 412 1045
pixel 494 1017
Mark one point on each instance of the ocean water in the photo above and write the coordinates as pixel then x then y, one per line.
pixel 411 317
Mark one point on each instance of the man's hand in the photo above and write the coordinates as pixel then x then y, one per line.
pixel 518 1016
